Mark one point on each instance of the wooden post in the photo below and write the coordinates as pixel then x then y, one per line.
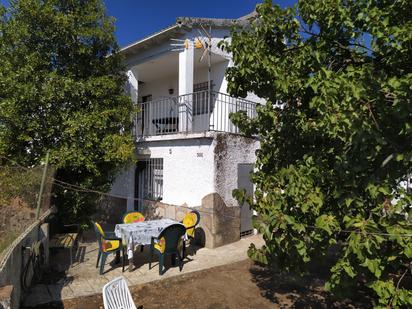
pixel 43 180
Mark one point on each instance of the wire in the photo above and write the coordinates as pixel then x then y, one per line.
pixel 224 215
pixel 76 188
pixel 73 187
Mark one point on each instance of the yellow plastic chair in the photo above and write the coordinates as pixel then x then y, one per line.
pixel 132 217
pixel 190 221
pixel 108 244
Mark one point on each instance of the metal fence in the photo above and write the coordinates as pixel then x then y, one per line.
pixel 191 113
pixel 20 188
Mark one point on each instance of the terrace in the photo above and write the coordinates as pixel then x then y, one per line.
pixel 82 278
pixel 191 113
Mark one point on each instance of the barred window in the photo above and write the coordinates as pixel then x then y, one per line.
pixel 150 179
pixel 201 86
pixel 200 94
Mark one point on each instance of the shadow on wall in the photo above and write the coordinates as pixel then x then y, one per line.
pixel 110 210
pixel 219 224
pixel 200 237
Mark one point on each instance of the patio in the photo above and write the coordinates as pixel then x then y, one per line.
pixel 83 279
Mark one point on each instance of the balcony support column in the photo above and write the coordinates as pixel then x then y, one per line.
pixel 186 72
pixel 133 85
pixel 132 89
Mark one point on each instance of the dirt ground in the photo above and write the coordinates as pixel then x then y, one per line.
pixel 239 285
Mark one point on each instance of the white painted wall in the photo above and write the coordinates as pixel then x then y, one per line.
pixel 194 168
pixel 160 88
pixel 217 75
pixel 188 173
pixel 123 186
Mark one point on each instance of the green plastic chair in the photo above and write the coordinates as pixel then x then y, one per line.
pixel 167 243
pixel 108 244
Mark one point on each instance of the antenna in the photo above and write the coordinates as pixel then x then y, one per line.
pixel 180 45
pixel 198 43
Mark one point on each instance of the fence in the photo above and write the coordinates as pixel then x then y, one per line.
pixel 19 190
pixel 19 227
pixel 191 113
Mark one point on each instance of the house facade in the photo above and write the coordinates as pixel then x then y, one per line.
pixel 190 155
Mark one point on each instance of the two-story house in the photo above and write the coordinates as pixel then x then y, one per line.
pixel 190 155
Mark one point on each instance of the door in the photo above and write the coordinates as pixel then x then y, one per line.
pixel 140 191
pixel 244 182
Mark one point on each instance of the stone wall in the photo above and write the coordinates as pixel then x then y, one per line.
pixel 219 224
pixel 16 216
pixel 14 258
pixel 230 151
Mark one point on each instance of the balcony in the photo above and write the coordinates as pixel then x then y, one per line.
pixel 191 113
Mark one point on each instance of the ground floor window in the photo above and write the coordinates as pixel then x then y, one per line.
pixel 149 179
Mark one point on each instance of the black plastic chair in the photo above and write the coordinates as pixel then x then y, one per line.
pixel 167 243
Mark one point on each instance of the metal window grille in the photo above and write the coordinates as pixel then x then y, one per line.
pixel 152 179
pixel 201 86
pixel 200 98
pixel 246 233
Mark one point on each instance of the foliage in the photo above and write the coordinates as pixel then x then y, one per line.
pixel 60 91
pixel 22 184
pixel 335 136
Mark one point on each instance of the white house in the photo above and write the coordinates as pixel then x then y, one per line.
pixel 190 154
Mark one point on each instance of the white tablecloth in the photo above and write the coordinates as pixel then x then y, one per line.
pixel 141 233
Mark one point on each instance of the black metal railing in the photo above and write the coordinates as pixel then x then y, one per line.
pixel 191 113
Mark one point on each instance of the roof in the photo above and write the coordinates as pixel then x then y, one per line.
pixel 182 25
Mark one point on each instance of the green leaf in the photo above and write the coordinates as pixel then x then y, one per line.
pixel 373 266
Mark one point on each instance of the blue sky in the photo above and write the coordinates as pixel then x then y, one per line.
pixel 136 19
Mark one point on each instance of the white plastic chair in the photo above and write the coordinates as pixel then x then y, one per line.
pixel 116 295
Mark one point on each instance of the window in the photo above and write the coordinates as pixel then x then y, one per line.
pixel 200 95
pixel 156 183
pixel 149 179
pixel 201 86
pixel 146 98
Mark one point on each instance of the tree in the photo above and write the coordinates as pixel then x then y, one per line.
pixel 335 134
pixel 62 90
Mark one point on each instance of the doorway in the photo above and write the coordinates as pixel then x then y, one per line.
pixel 244 171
